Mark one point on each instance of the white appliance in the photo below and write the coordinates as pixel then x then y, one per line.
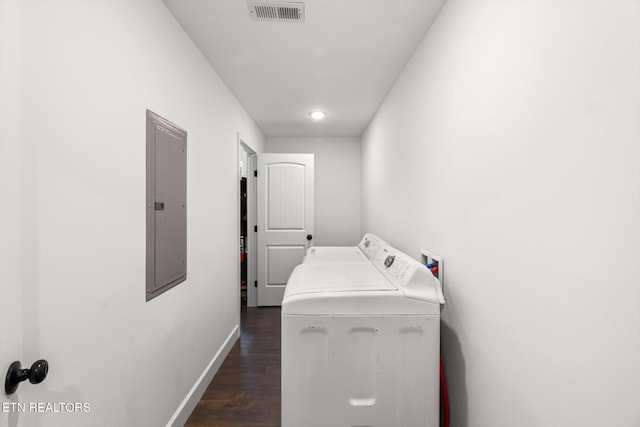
pixel 361 344
pixel 365 251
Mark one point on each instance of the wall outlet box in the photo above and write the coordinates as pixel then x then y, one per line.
pixel 429 258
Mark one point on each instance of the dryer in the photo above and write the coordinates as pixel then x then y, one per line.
pixel 365 251
pixel 361 343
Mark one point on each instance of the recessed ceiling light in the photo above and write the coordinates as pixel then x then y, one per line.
pixel 318 115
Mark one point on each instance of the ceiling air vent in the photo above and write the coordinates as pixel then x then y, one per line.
pixel 276 11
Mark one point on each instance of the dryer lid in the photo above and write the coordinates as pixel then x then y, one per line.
pixel 334 254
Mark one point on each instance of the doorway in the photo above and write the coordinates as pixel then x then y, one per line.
pixel 272 241
pixel 246 215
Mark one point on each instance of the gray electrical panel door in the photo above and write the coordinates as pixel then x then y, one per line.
pixel 166 205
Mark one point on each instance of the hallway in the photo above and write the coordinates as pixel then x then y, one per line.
pixel 246 390
pixel 502 136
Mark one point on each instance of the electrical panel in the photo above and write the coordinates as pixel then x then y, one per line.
pixel 166 205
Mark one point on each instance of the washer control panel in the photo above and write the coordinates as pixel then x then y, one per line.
pixel 414 279
pixel 395 265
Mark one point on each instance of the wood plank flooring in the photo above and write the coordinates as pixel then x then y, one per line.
pixel 246 389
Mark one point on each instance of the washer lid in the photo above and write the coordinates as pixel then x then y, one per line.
pixel 348 289
pixel 339 277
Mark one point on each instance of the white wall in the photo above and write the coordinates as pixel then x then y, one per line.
pixel 337 185
pixel 89 72
pixel 510 145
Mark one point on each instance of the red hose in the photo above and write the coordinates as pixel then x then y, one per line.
pixel 445 395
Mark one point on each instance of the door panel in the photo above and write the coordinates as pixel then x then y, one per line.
pixel 285 196
pixel 285 218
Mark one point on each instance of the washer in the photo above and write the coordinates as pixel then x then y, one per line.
pixel 365 251
pixel 361 344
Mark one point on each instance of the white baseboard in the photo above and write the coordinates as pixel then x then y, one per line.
pixel 185 409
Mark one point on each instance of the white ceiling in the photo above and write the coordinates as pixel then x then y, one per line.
pixel 343 59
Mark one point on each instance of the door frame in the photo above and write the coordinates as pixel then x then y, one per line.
pixel 252 295
pixel 16 284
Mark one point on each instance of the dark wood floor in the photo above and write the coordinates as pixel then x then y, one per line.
pixel 246 389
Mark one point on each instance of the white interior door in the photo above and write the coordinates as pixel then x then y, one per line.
pixel 12 158
pixel 285 220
